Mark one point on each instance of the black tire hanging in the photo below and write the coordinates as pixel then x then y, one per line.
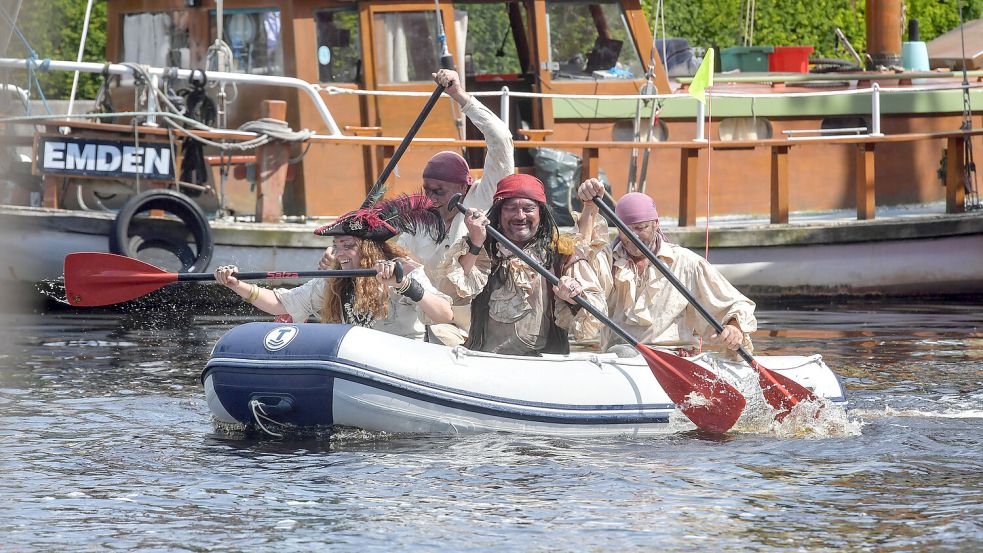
pixel 192 218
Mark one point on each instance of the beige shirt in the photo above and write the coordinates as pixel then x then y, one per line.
pixel 499 163
pixel 520 303
pixel 652 310
pixel 405 317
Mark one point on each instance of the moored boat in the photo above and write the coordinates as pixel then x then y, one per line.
pixel 298 377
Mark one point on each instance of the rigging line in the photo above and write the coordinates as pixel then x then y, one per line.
pixel 6 41
pixel 85 34
pixel 706 244
pixel 972 200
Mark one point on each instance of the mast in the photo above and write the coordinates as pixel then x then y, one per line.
pixel 884 27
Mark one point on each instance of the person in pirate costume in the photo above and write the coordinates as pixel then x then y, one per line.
pixel 640 298
pixel 362 240
pixel 447 174
pixel 514 310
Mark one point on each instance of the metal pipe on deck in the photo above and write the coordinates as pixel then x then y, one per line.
pixel 240 78
pixel 884 28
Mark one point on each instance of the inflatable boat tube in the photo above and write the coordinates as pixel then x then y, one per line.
pixel 299 376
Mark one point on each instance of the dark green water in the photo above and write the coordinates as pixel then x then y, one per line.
pixel 107 444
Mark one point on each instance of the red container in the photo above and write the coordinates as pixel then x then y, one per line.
pixel 790 59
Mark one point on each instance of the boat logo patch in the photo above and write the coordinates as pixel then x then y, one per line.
pixel 279 337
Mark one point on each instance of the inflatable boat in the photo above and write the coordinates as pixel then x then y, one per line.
pixel 293 377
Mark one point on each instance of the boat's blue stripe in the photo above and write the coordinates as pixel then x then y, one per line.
pixel 522 410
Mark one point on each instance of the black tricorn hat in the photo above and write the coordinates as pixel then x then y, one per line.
pixel 410 213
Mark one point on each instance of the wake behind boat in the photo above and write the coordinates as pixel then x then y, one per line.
pixel 302 377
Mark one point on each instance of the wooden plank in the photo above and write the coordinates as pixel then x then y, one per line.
pixel 779 184
pixel 271 168
pixel 590 166
pixel 52 186
pixel 955 167
pixel 687 186
pixel 865 182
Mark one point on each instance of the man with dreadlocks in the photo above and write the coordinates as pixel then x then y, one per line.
pixel 639 297
pixel 514 310
pixel 362 240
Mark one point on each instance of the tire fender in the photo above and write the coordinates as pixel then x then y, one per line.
pixel 175 203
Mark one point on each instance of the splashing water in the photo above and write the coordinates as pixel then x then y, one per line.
pixel 818 419
pixel 53 288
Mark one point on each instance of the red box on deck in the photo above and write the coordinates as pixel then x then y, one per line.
pixel 790 59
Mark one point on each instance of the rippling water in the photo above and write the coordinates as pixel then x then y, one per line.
pixel 107 444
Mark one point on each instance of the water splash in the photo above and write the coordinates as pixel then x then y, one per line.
pixel 53 288
pixel 818 419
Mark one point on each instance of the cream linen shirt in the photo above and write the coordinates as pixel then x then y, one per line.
pixel 522 297
pixel 499 163
pixel 405 317
pixel 650 308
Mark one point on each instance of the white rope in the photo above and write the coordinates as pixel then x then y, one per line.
pixel 922 88
pixel 259 415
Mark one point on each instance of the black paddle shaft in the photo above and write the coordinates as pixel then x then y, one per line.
pixel 455 203
pixel 609 213
pixel 409 137
pixel 271 275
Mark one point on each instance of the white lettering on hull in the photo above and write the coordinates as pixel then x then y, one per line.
pixel 104 158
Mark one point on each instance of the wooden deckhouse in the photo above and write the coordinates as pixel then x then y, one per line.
pixel 551 47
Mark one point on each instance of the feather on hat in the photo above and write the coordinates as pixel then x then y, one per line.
pixel 410 213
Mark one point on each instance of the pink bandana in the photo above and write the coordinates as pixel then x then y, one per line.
pixel 448 167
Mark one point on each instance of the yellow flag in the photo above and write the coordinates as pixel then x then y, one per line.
pixel 703 77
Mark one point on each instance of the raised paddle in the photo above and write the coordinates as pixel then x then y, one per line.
pixel 781 392
pixel 93 279
pixel 704 398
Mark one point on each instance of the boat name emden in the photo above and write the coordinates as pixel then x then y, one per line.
pixel 105 158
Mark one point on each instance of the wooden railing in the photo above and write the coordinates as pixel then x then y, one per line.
pixel 864 160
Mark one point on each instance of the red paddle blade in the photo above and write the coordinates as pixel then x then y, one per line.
pixel 707 400
pixel 781 392
pixel 93 279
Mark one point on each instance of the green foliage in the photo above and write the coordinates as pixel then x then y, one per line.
pixel 800 22
pixel 53 29
pixel 488 30
pixel 936 17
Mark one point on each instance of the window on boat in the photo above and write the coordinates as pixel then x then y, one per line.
pixel 405 46
pixel 157 39
pixel 490 47
pixel 745 128
pixel 339 58
pixel 253 34
pixel 590 40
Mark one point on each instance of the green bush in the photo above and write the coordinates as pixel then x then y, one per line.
pixel 53 29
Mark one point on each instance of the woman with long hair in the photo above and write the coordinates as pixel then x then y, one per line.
pixel 362 241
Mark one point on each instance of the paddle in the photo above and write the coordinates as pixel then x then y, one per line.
pixel 93 279
pixel 398 153
pixel 708 401
pixel 781 392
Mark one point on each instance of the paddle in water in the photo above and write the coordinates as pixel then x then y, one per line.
pixel 712 404
pixel 93 279
pixel 781 392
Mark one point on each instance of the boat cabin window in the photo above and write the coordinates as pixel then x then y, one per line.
pixel 157 39
pixel 339 58
pixel 745 128
pixel 405 46
pixel 591 40
pixel 254 37
pixel 490 48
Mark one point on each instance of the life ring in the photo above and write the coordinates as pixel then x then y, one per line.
pixel 131 236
